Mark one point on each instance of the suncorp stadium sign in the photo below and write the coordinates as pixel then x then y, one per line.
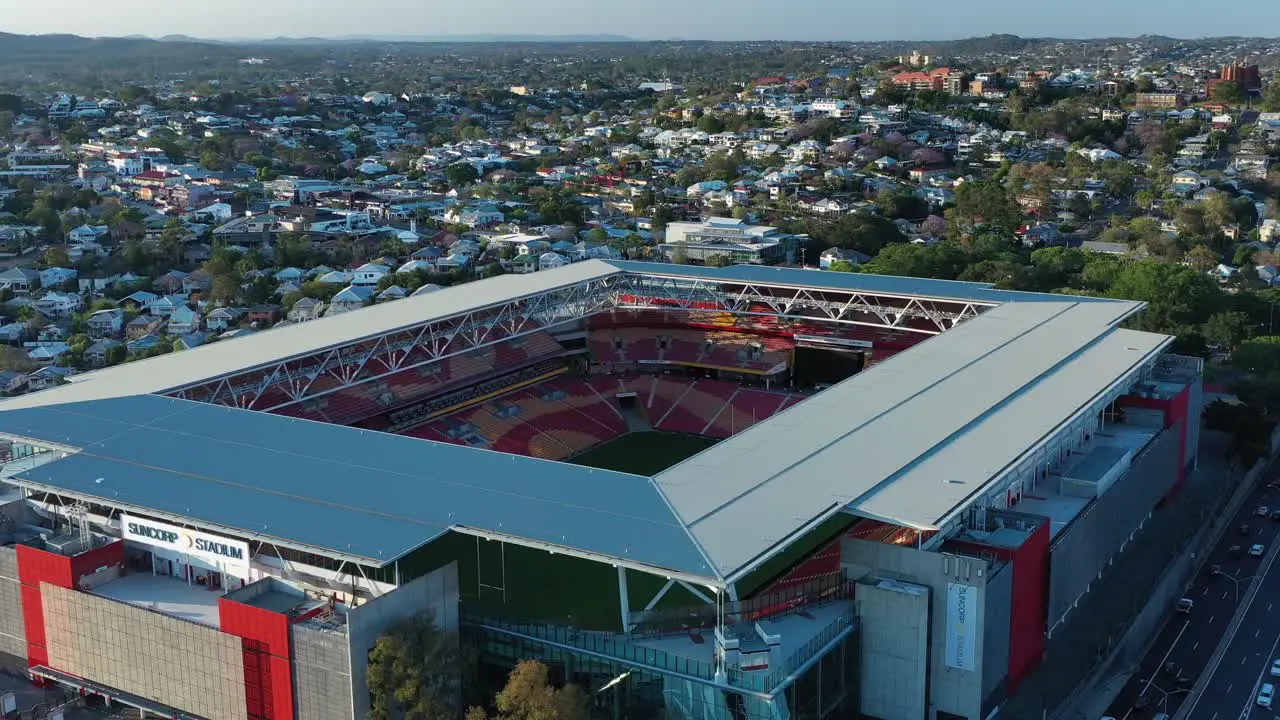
pixel 230 556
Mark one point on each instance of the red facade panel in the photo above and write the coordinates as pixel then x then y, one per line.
pixel 1030 605
pixel 34 567
pixel 94 560
pixel 267 665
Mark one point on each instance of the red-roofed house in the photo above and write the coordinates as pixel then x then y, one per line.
pixel 157 178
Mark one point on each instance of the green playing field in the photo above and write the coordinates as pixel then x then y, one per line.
pixel 644 453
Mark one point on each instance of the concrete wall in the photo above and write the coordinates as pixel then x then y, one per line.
pixel 894 621
pixel 170 661
pixel 436 592
pixel 951 690
pixel 1078 554
pixel 997 624
pixel 321 674
pixel 13 635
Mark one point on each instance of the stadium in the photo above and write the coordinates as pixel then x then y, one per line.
pixel 744 492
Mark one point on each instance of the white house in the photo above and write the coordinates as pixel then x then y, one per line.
pixel 369 274
pixel 58 304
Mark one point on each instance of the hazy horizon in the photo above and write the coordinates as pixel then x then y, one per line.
pixel 707 20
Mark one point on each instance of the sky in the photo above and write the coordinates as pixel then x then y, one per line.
pixel 647 19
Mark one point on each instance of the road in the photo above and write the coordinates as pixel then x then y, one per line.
pixel 1187 643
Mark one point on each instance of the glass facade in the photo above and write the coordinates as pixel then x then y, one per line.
pixel 816 682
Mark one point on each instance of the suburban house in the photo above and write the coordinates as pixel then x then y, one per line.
pixel 98 353
pixel 58 304
pixel 86 234
pixel 369 274
pixel 48 376
pixel 105 323
pixel 306 309
pixel 350 298
pixel 19 280
pixel 191 340
pixel 223 318
pixel 183 320
pixel 12 382
pixel 55 276
pixel 289 275
pixel 262 315
pixel 197 281
pixel 834 255
pixel 143 325
pixel 170 282
pixel 143 344
pixel 138 300
pixel 165 306
pixel 1187 181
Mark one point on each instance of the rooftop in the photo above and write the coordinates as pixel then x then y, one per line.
pixel 167 595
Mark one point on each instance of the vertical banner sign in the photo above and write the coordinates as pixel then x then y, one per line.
pixel 961 630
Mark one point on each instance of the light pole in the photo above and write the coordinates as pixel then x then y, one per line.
pixel 1235 581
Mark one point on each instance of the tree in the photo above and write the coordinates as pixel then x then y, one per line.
pixel 1202 258
pixel 1260 355
pixel 529 695
pixel 1243 256
pixel 1228 91
pixel 224 289
pixel 415 672
pixel 12 358
pixel 902 204
pixel 720 260
pixel 979 204
pixel 1176 295
pixel 842 266
pixel 1247 425
pixel 680 254
pixel 461 174
pixel 56 257
pixel 1227 329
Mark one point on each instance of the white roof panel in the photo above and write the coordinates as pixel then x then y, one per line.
pixel 763 486
pixel 924 494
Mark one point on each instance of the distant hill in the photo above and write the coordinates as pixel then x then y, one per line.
pixel 442 39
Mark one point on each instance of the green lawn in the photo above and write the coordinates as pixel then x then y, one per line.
pixel 644 453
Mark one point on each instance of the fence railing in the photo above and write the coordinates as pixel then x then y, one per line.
pixel 796 598
pixel 621 647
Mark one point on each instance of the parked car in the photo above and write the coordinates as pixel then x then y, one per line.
pixel 1262 511
pixel 1275 514
pixel 1234 551
pixel 1215 569
pixel 1275 668
pixel 1257 550
pixel 1185 605
pixel 1265 695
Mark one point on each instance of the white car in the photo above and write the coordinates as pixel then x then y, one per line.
pixel 1275 668
pixel 1257 550
pixel 1267 692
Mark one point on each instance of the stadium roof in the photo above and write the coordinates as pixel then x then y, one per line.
pixel 362 494
pixel 175 370
pixel 909 441
pixel 880 284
